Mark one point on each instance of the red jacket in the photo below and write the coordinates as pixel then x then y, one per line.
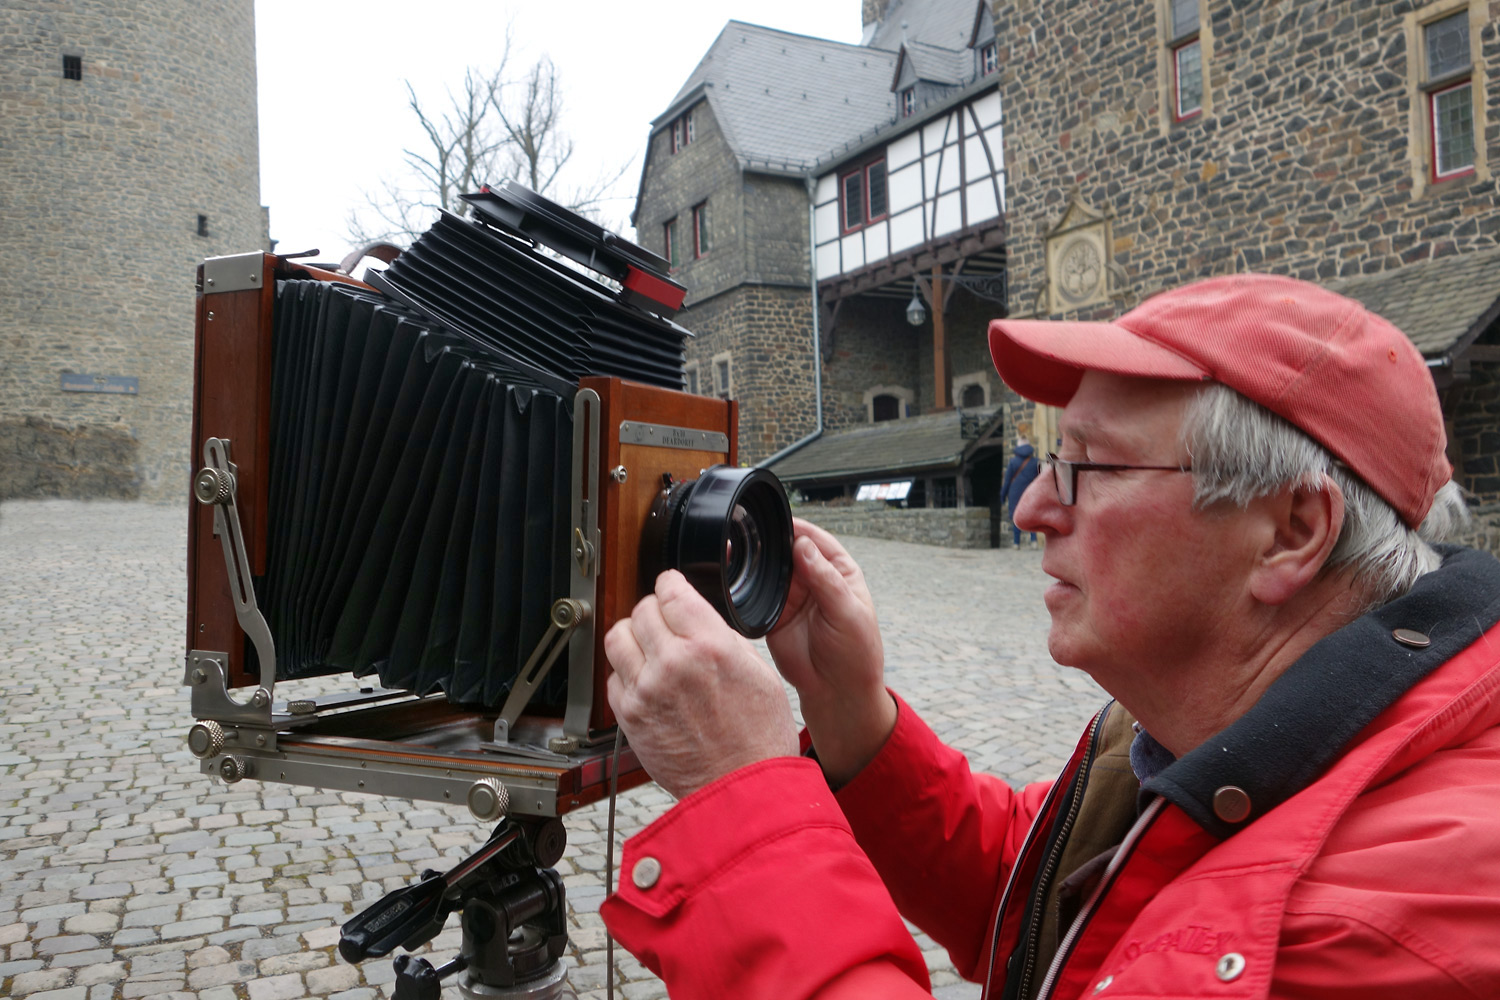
pixel 1368 866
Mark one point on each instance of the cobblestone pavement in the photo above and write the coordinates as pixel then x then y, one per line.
pixel 126 873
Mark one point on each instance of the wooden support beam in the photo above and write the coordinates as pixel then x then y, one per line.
pixel 942 365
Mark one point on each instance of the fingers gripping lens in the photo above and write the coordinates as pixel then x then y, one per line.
pixel 730 533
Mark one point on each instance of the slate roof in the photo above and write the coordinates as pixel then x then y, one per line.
pixel 929 441
pixel 783 99
pixel 947 24
pixel 1434 302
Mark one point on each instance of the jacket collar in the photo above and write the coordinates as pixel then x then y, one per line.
pixel 1310 714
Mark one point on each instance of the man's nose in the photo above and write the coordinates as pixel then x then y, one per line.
pixel 1040 508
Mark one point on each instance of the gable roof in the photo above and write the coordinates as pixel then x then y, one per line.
pixel 949 67
pixel 781 99
pixel 1441 304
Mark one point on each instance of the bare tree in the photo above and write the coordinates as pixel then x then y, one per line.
pixel 530 111
pixel 493 129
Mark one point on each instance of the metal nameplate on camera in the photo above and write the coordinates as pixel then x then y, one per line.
pixel 662 436
pixel 234 273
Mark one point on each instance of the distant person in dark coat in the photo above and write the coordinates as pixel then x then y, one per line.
pixel 1019 473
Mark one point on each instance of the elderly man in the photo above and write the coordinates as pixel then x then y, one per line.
pixel 1294 794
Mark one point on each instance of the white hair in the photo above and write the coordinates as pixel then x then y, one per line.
pixel 1240 451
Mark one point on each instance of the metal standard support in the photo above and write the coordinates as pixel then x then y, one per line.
pixel 567 615
pixel 207 674
pixel 588 449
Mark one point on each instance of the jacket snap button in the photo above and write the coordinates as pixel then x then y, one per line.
pixel 645 873
pixel 1230 967
pixel 1102 984
pixel 1231 804
pixel 1411 637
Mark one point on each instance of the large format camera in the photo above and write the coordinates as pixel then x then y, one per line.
pixel 449 480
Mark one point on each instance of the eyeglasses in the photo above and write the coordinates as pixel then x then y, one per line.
pixel 1065 474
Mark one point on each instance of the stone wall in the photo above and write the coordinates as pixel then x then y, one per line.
pixel 952 527
pixel 1301 164
pixel 702 172
pixel 874 345
pixel 748 295
pixel 767 331
pixel 102 183
pixel 1473 408
pixel 775 227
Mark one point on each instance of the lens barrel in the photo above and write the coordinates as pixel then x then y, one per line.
pixel 730 533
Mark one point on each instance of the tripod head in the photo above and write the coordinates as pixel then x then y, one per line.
pixel 513 915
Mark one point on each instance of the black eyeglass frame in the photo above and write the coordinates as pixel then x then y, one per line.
pixel 1069 497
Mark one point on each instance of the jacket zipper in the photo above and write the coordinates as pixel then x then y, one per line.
pixel 1054 858
pixel 1115 863
pixel 1031 837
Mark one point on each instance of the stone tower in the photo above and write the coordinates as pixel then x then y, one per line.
pixel 128 153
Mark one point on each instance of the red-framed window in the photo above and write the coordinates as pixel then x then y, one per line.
pixel 989 60
pixel 906 100
pixel 669 241
pixel 1187 60
pixel 1449 83
pixel 862 195
pixel 682 131
pixel 700 229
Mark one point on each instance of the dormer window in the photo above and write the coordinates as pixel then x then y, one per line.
pixel 989 60
pixel 907 101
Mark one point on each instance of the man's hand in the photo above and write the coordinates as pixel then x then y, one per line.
pixel 827 644
pixel 693 696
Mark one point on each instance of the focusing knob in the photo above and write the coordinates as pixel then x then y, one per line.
pixel 488 799
pixel 211 486
pixel 206 739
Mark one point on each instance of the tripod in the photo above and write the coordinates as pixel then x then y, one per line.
pixel 513 917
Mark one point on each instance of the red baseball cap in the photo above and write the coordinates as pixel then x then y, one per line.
pixel 1345 376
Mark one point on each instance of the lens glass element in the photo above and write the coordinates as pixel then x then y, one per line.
pixel 744 555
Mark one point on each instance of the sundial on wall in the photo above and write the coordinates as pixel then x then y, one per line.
pixel 1077 272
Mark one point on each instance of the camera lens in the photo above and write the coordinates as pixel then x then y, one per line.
pixel 730 533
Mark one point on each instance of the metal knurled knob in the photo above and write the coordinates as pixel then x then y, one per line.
pixel 567 612
pixel 211 486
pixel 206 739
pixel 232 769
pixel 488 799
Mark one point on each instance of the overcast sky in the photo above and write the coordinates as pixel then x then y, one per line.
pixel 333 108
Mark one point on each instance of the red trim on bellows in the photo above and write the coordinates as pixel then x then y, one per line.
pixel 664 293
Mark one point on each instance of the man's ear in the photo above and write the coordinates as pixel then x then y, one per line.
pixel 1305 527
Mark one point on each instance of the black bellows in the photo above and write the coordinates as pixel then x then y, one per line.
pixel 538 311
pixel 419 500
pixel 419 506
